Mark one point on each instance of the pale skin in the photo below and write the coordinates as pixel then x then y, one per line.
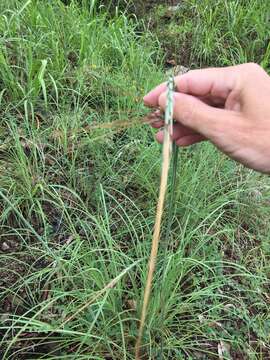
pixel 228 106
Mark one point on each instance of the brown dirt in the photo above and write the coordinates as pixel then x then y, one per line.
pixel 139 7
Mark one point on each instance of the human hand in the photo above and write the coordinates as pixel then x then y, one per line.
pixel 228 106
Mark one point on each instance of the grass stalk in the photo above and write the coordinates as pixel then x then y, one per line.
pixel 166 156
pixel 171 208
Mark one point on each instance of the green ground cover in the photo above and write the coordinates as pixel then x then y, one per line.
pixel 78 201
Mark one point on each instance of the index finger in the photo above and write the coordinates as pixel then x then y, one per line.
pixel 215 82
pixel 151 99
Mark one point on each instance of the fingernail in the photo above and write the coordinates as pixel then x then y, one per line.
pixel 146 98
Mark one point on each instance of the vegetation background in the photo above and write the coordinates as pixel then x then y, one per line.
pixel 78 199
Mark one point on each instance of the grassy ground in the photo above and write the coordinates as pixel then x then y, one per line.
pixel 78 201
pixel 214 32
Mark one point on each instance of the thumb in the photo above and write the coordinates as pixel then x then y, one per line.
pixel 196 115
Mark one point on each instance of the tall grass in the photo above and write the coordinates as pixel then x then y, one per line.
pixel 78 204
pixel 214 32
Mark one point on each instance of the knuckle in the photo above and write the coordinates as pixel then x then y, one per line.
pixel 191 72
pixel 188 115
pixel 252 67
pixel 248 72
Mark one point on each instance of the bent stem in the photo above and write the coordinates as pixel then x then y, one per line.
pixel 166 156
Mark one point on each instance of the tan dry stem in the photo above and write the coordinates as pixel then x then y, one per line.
pixel 156 236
